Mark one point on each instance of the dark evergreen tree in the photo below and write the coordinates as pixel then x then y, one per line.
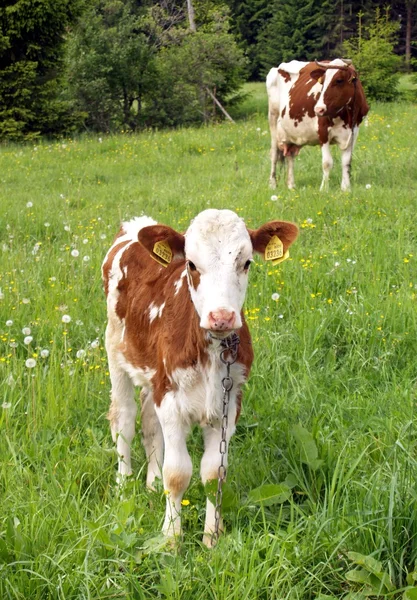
pixel 32 35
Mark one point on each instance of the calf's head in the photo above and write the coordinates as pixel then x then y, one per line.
pixel 218 250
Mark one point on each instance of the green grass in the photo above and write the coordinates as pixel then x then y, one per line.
pixel 335 363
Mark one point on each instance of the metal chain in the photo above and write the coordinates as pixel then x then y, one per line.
pixel 228 356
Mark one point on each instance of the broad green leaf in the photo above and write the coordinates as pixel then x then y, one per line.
pixel 412 577
pixel 410 594
pixel 291 480
pixel 369 562
pixel 307 446
pixel 270 494
pixel 229 498
pixel 359 576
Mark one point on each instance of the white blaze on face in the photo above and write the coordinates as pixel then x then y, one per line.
pixel 217 243
pixel 320 107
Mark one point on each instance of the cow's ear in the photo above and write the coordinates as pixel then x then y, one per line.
pixel 163 243
pixel 283 230
pixel 317 74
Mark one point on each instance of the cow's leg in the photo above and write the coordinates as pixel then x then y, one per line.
pixel 346 162
pixel 210 464
pixel 177 466
pixel 123 409
pixel 290 173
pixel 152 438
pixel 273 117
pixel 327 164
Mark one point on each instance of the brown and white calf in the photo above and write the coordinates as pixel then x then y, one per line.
pixel 166 320
pixel 311 103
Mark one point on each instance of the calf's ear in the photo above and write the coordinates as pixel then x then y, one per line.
pixel 285 231
pixel 163 243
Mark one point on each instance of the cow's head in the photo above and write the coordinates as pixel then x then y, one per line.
pixel 218 249
pixel 338 78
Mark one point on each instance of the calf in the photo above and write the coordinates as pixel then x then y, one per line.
pixel 172 300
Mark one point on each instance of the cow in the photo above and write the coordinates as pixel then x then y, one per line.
pixel 173 300
pixel 312 103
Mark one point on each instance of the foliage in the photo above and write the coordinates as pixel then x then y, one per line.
pixel 302 30
pixel 31 55
pixel 132 67
pixel 372 52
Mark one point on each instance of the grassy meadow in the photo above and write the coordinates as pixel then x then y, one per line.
pixel 328 418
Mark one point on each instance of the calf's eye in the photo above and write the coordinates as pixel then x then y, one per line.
pixel 247 265
pixel 192 266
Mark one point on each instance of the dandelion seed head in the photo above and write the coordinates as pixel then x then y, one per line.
pixel 30 363
pixel 95 344
pixel 80 353
pixel 368 186
pixel 275 296
pixel 9 323
pixel 75 253
pixel 44 353
pixel 28 340
pixel 66 319
pixel 274 198
pixel 29 204
pixel 26 331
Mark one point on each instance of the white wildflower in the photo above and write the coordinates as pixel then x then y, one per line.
pixel 29 204
pixel 44 353
pixel 26 330
pixel 30 363
pixel 75 253
pixel 95 344
pixel 80 353
pixel 274 198
pixel 9 323
pixel 28 339
pixel 275 296
pixel 66 319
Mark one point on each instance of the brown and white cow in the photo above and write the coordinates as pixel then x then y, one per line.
pixel 165 326
pixel 312 103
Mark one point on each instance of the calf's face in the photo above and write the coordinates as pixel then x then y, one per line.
pixel 218 250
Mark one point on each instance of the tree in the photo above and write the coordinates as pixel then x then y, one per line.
pixel 132 66
pixel 372 52
pixel 32 36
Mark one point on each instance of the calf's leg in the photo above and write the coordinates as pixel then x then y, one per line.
pixel 210 464
pixel 152 438
pixel 123 409
pixel 177 466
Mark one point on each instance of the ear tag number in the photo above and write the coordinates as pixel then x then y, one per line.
pixel 280 260
pixel 274 251
pixel 162 253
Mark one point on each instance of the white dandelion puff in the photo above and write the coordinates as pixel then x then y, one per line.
pixel 26 331
pixel 75 253
pixel 9 323
pixel 66 319
pixel 28 340
pixel 30 363
pixel 44 353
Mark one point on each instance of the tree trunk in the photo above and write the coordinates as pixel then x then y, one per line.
pixel 408 29
pixel 191 16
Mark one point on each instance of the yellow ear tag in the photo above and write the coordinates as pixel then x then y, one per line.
pixel 162 253
pixel 274 251
pixel 320 80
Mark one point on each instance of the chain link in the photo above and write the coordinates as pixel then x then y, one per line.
pixel 228 356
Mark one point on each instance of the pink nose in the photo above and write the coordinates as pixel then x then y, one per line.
pixel 221 319
pixel 319 110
